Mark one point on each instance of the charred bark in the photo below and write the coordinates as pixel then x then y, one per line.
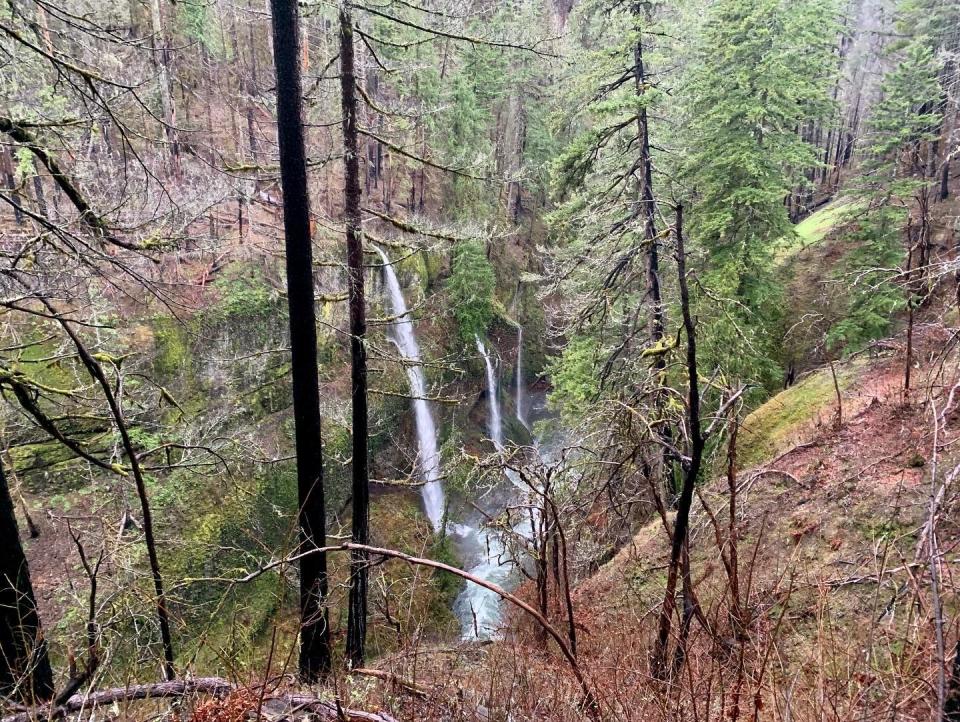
pixel 691 466
pixel 25 671
pixel 314 616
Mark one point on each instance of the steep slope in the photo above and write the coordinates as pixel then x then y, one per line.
pixel 834 614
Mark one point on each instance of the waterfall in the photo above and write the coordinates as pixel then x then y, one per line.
pixel 405 340
pixel 495 424
pixel 479 609
pixel 519 402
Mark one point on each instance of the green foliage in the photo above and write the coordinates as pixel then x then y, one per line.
pixel 574 376
pixel 869 272
pixel 788 417
pixel 901 122
pixel 815 227
pixel 762 69
pixel 172 357
pixel 244 297
pixel 470 288
pixel 197 23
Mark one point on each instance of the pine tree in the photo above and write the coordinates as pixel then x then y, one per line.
pixel 761 70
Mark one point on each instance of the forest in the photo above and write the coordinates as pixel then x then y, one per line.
pixel 479 360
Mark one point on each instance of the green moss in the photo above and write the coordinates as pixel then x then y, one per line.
pixel 172 356
pixel 815 227
pixel 414 272
pixel 434 263
pixel 41 361
pixel 47 467
pixel 771 427
pixel 408 597
pixel 244 294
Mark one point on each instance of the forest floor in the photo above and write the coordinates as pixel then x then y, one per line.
pixel 832 571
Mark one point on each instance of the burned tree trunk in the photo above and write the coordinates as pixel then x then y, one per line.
pixel 357 614
pixel 691 466
pixel 25 671
pixel 315 629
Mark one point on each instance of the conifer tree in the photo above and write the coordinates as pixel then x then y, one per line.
pixel 314 618
pixel 761 70
pixel 357 613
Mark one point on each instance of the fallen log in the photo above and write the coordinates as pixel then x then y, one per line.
pixel 216 686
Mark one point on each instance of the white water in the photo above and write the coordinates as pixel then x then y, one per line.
pixel 405 340
pixel 521 417
pixel 495 424
pixel 479 609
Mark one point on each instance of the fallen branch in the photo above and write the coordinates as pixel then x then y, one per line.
pixel 158 690
pixel 589 699
pixel 216 686
pixel 394 679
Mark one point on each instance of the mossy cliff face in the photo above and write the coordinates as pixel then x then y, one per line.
pixel 207 397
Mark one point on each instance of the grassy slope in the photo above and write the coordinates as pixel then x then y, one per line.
pixel 820 517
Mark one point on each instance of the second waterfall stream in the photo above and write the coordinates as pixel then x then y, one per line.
pixel 477 608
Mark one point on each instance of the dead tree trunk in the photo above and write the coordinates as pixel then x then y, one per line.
pixel 95 369
pixel 645 200
pixel 25 671
pixel 315 629
pixel 357 613
pixel 6 160
pixel 691 466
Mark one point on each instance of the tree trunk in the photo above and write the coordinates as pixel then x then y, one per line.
pixel 518 116
pixel 161 46
pixel 314 616
pixel 39 197
pixel 908 361
pixel 6 158
pixel 95 369
pixel 691 468
pixel 25 671
pixel 648 208
pixel 951 707
pixel 357 614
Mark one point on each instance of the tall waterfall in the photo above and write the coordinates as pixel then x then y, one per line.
pixel 495 425
pixel 521 416
pixel 405 340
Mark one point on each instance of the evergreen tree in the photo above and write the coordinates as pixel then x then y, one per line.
pixel 360 516
pixel 902 124
pixel 761 70
pixel 471 286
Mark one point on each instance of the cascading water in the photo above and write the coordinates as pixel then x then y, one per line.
pixel 404 339
pixel 495 423
pixel 477 608
pixel 521 416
